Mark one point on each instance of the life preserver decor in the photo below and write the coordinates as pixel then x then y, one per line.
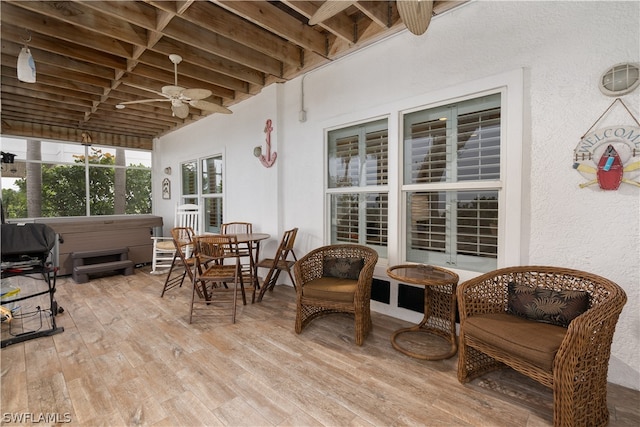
pixel 609 157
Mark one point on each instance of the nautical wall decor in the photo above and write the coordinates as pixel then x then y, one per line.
pixel 609 156
pixel 270 158
pixel 166 189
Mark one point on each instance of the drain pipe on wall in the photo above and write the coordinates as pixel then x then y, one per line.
pixel 302 115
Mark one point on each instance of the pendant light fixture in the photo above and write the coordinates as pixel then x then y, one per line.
pixel 26 65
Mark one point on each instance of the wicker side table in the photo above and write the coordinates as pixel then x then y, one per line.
pixel 439 306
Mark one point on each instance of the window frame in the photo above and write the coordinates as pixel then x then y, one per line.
pixel 363 189
pixel 450 186
pixel 69 150
pixel 200 197
pixel 513 168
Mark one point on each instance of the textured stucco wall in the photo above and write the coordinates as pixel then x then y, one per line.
pixel 561 48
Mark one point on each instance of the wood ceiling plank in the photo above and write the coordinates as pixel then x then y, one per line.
pixel 51 97
pixel 72 76
pixel 40 114
pixel 278 22
pixel 64 48
pixel 210 61
pixel 377 11
pixel 189 69
pixel 148 125
pixel 211 42
pixel 167 78
pixel 158 114
pixel 89 53
pixel 78 35
pixel 329 9
pixel 127 128
pixel 41 119
pixel 134 12
pixel 31 102
pixel 53 80
pixel 39 87
pixel 81 16
pixel 340 25
pixel 11 108
pixel 219 20
pixel 38 131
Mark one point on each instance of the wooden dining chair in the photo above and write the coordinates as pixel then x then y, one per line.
pixel 219 271
pixel 247 250
pixel 281 261
pixel 184 259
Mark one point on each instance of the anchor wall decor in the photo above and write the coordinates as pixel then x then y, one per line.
pixel 270 158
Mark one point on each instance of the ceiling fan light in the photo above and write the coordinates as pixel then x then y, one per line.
pixel 26 66
pixel 181 111
pixel 120 106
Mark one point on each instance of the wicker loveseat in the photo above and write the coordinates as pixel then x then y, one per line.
pixel 336 279
pixel 572 361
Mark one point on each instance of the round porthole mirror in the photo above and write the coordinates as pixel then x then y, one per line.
pixel 620 79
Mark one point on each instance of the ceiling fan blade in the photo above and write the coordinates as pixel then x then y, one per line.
pixel 122 105
pixel 328 9
pixel 415 14
pixel 144 88
pixel 181 111
pixel 210 106
pixel 172 91
pixel 195 94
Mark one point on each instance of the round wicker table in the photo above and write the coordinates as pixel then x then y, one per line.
pixel 439 306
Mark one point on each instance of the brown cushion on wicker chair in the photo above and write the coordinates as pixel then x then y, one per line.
pixel 546 305
pixel 578 373
pixel 331 289
pixel 317 294
pixel 342 267
pixel 527 339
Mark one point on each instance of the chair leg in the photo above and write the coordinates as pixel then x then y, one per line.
pixel 169 282
pixel 244 296
pixel 235 298
pixel 193 300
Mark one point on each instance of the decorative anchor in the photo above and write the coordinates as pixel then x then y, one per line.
pixel 270 158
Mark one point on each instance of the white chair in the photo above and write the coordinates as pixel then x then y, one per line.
pixel 187 215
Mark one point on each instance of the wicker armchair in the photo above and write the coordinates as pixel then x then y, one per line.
pixel 319 292
pixel 579 356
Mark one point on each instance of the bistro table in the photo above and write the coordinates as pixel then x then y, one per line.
pixel 253 239
pixel 439 306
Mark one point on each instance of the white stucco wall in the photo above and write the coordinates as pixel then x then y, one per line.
pixel 559 48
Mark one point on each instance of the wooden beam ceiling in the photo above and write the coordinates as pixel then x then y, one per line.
pixel 92 55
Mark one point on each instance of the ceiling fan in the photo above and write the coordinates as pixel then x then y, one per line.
pixel 416 14
pixel 180 98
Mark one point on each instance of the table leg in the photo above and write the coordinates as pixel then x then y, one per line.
pixel 439 319
pixel 254 268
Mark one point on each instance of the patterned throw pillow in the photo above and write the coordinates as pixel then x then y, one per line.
pixel 342 268
pixel 546 305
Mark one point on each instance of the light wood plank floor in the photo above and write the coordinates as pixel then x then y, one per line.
pixel 129 357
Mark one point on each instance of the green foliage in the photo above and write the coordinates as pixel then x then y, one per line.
pixel 138 191
pixel 14 203
pixel 64 194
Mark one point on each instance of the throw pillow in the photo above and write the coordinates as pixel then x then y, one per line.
pixel 546 305
pixel 342 268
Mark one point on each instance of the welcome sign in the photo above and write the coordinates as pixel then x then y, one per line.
pixel 609 157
